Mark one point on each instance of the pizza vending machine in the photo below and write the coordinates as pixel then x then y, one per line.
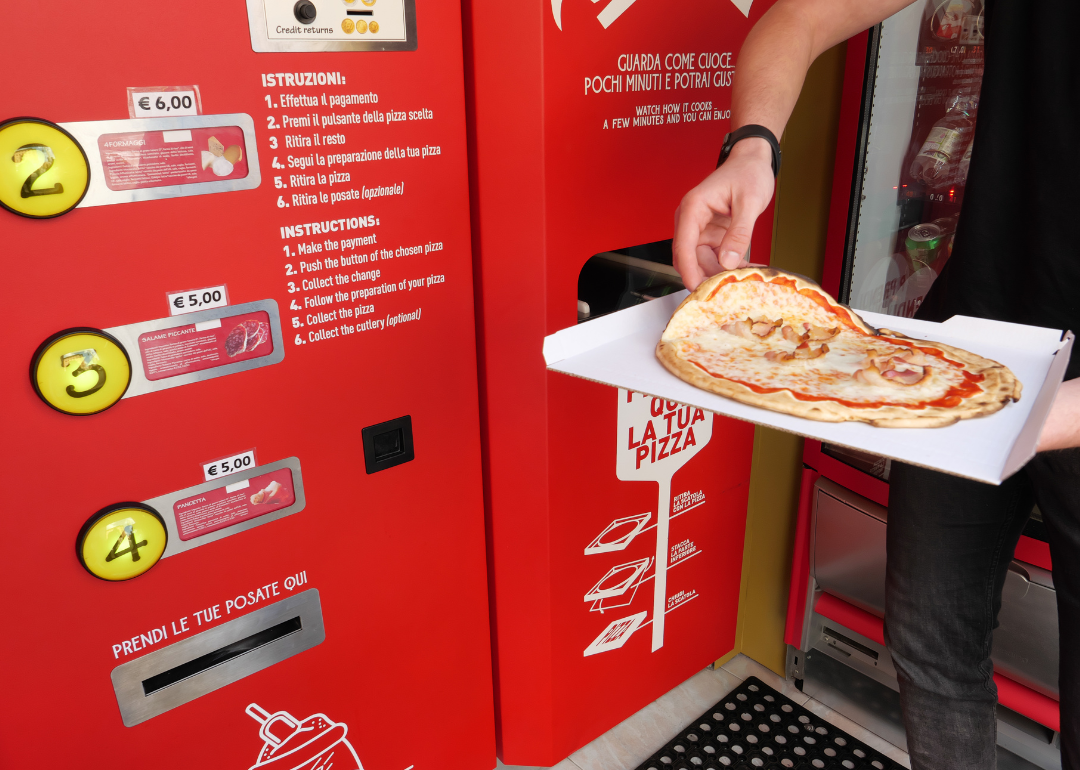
pixel 615 519
pixel 242 453
pixel 909 107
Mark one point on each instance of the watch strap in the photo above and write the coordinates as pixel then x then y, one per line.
pixel 745 132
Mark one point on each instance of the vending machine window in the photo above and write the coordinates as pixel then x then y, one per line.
pixel 920 104
pixel 615 280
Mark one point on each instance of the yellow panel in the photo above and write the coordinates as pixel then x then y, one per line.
pixel 81 372
pixel 122 543
pixel 43 170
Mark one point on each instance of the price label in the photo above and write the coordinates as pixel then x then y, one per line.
pixel 182 302
pixel 229 465
pixel 157 104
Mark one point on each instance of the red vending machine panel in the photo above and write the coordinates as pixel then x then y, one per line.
pixel 243 454
pixel 616 520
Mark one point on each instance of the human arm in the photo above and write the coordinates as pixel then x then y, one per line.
pixel 715 220
pixel 1062 428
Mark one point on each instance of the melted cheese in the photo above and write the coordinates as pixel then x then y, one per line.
pixel 748 299
pixel 695 331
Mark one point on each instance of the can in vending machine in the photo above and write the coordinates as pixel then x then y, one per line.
pixel 923 242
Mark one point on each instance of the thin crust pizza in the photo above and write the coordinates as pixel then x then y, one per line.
pixel 778 341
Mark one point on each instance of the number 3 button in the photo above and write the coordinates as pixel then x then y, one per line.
pixel 80 371
pixel 43 169
pixel 122 541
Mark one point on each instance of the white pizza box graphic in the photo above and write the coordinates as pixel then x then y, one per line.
pixel 619 350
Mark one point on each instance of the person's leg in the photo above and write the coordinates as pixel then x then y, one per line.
pixel 1056 477
pixel 950 541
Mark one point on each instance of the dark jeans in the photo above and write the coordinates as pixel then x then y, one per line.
pixel 950 542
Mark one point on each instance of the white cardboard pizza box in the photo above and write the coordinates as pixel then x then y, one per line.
pixel 618 350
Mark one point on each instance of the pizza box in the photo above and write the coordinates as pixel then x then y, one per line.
pixel 618 350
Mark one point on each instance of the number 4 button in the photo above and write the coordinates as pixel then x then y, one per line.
pixel 122 541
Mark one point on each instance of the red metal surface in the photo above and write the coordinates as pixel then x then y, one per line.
pixel 861 483
pixel 800 561
pixel 1011 694
pixel 557 180
pixel 1034 552
pixel 397 556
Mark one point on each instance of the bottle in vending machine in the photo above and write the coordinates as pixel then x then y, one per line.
pixel 943 147
pixel 972 30
pixel 946 18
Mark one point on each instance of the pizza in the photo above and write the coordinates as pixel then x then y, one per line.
pixel 778 341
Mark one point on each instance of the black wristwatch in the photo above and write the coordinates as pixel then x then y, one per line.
pixel 746 132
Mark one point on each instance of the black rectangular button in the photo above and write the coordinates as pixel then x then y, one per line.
pixel 388 444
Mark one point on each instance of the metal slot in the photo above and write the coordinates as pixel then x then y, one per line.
pixel 223 655
pixel 832 636
pixel 194 666
pixel 359 13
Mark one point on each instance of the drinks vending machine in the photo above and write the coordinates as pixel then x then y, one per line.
pixel 242 466
pixel 909 108
pixel 615 519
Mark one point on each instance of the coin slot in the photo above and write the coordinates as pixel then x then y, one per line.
pixel 388 444
pixel 360 13
pixel 221 655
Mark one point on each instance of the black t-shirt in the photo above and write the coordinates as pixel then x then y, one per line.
pixel 1017 250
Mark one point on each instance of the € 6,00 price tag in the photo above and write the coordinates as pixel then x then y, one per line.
pixel 181 302
pixel 158 104
pixel 228 465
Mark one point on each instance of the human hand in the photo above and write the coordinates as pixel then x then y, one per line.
pixel 1062 427
pixel 715 220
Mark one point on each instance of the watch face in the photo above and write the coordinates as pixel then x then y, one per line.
pixel 725 149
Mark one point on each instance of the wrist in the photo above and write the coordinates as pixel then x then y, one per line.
pixel 752 135
pixel 753 148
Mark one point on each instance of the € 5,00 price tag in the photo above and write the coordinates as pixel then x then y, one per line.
pixel 181 302
pixel 43 169
pixel 122 541
pixel 228 465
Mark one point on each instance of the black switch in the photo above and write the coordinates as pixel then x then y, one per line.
pixel 388 444
pixel 304 11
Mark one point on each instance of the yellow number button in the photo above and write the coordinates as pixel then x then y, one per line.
pixel 122 541
pixel 80 371
pixel 43 169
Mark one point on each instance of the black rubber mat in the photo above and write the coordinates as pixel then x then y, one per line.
pixel 757 727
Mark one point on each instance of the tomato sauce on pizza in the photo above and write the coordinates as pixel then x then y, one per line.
pixel 780 342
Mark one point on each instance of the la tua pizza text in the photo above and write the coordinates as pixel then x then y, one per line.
pixel 669 431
